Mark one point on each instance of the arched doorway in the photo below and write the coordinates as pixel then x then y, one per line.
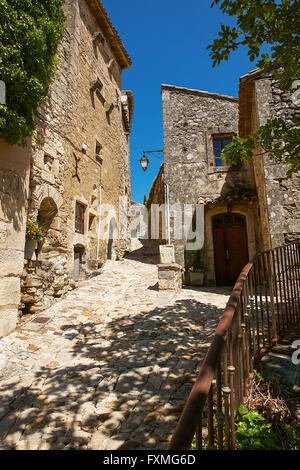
pixel 47 212
pixel 230 247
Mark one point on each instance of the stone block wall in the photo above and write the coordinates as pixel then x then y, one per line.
pixel 279 195
pixel 14 181
pixel 282 192
pixel 82 145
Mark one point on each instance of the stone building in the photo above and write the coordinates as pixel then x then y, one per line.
pixel 278 195
pixel 14 187
pixel 247 208
pixel 79 160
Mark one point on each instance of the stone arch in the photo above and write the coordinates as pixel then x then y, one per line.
pixel 47 191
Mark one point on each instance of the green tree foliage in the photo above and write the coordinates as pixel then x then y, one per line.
pixel 275 23
pixel 30 33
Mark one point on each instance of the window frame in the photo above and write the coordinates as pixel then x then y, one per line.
pixel 80 219
pixel 221 138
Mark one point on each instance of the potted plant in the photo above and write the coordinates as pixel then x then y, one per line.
pixel 35 235
pixel 196 271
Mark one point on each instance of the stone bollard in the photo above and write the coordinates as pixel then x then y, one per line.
pixel 170 277
pixel 169 272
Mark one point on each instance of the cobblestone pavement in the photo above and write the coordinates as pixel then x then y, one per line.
pixel 108 367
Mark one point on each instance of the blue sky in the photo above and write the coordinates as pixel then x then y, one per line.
pixel 167 41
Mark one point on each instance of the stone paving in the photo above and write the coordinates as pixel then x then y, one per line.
pixel 108 367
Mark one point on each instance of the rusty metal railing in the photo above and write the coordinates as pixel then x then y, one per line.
pixel 263 305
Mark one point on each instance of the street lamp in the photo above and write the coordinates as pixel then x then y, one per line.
pixel 144 161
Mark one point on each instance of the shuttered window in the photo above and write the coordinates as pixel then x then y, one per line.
pixel 79 218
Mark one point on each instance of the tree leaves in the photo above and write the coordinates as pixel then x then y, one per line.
pixel 30 33
pixel 261 22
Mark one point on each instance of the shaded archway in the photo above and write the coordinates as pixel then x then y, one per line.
pixel 47 212
pixel 111 238
pixel 79 260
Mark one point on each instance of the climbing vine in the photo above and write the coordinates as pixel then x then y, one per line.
pixel 30 33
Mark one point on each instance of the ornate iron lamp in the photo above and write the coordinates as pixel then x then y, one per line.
pixel 145 161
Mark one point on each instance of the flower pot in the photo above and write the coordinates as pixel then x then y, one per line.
pixel 196 278
pixel 30 247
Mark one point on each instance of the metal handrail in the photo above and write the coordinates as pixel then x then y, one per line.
pixel 263 304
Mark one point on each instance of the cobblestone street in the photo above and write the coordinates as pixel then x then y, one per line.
pixel 108 367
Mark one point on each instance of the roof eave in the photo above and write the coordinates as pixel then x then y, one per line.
pixel 110 33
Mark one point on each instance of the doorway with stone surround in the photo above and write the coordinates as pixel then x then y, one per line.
pixel 230 247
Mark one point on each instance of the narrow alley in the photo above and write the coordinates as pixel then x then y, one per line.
pixel 109 366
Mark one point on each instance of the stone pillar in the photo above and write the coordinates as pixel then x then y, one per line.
pixel 14 183
pixel 170 277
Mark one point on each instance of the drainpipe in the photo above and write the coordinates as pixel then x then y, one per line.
pixel 99 224
pixel 168 214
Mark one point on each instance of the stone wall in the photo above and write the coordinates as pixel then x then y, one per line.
pixel 279 196
pixel 283 193
pixel 82 148
pixel 14 180
pixel 190 120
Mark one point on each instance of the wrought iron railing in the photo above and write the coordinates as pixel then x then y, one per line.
pixel 264 304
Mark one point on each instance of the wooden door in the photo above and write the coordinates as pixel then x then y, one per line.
pixel 230 247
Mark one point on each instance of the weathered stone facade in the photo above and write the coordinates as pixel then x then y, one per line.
pixel 191 119
pixel 279 195
pixel 80 159
pixel 260 202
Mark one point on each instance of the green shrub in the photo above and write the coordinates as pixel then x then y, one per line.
pixel 30 33
pixel 254 432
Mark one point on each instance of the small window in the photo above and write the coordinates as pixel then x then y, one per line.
pixel 98 152
pixel 79 218
pixel 220 143
pixel 91 221
pixel 48 162
pixel 98 148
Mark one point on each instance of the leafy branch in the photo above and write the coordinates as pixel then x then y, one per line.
pixel 261 22
pixel 30 33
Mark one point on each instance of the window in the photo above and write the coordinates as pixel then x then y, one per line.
pixel 220 143
pixel 98 152
pixel 79 218
pixel 92 217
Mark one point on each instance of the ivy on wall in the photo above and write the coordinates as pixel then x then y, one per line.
pixel 30 33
